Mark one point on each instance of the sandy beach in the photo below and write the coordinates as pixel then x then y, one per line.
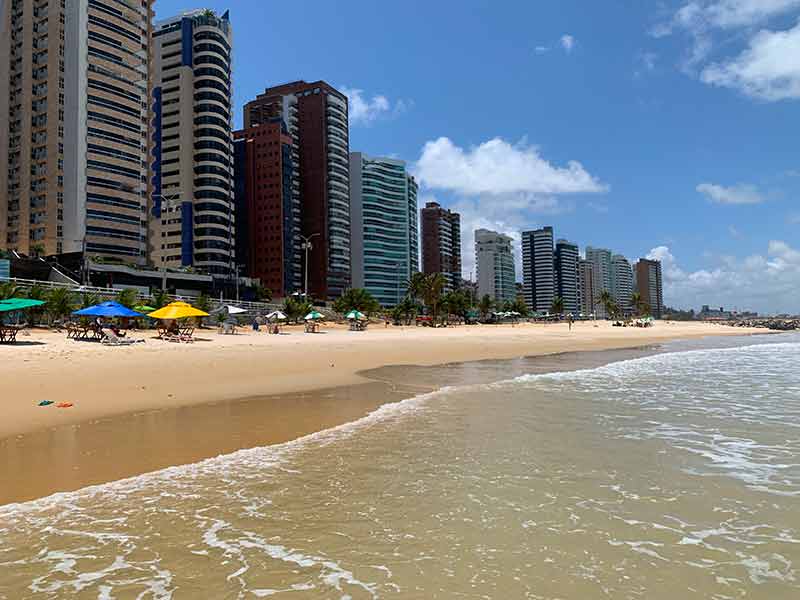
pixel 105 381
pixel 145 407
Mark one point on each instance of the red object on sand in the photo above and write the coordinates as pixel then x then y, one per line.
pixel 64 405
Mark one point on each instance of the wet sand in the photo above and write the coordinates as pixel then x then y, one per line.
pixel 155 405
pixel 75 456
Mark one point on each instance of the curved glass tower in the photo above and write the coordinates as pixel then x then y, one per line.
pixel 383 209
pixel 192 211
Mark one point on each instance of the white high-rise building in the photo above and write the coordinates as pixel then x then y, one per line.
pixel 494 257
pixel 588 296
pixel 621 282
pixel 193 221
pixel 538 269
pixel 600 259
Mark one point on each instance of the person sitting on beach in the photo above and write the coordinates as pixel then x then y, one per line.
pixel 172 327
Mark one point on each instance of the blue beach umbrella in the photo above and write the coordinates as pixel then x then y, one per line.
pixel 107 309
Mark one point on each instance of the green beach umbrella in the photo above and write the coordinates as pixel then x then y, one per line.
pixel 314 316
pixel 355 315
pixel 143 308
pixel 18 304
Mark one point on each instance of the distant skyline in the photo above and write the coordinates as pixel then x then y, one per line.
pixel 655 129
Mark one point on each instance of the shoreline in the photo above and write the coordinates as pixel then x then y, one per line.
pixel 106 381
pixel 110 447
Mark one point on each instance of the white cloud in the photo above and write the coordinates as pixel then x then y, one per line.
pixel 766 283
pixel 728 14
pixel 499 186
pixel 567 42
pixel 768 70
pixel 498 167
pixel 738 194
pixel 364 110
pixel 704 15
pixel 541 49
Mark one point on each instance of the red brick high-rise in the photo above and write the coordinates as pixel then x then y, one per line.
pixel 263 191
pixel 316 116
pixel 441 243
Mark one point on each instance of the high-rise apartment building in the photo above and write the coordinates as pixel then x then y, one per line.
pixel 649 284
pixel 74 135
pixel 600 259
pixel 193 219
pixel 316 115
pixel 265 226
pixel 588 295
pixel 538 269
pixel 383 222
pixel 568 286
pixel 494 257
pixel 441 243
pixel 621 282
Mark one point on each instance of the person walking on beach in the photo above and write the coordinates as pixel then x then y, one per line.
pixel 569 321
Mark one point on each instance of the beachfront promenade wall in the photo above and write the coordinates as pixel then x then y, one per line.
pixel 26 284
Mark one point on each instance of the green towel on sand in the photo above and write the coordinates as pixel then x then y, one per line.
pixel 45 403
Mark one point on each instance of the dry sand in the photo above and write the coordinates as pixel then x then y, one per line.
pixel 106 381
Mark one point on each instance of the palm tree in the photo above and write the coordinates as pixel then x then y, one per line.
pixel 405 311
pixel 9 290
pixel 356 299
pixel 128 297
pixel 296 309
pixel 89 299
pixel 415 285
pixel 60 303
pixel 203 302
pixel 432 293
pixel 36 292
pixel 261 293
pixel 160 299
pixel 520 306
pixel 557 307
pixel 639 304
pixel 607 301
pixel 485 305
pixel 456 303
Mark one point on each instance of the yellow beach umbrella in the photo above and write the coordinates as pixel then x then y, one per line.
pixel 177 310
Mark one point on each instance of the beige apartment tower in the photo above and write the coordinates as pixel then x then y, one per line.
pixel 192 213
pixel 74 150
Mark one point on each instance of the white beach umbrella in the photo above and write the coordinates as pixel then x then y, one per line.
pixel 276 316
pixel 234 310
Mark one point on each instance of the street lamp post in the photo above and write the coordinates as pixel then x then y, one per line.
pixel 306 245
pixel 168 201
pixel 84 261
pixel 236 269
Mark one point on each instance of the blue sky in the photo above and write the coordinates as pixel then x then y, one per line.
pixel 654 128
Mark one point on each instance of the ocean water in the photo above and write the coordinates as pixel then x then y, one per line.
pixel 671 476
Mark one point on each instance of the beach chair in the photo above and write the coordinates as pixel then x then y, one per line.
pixel 185 335
pixel 8 333
pixel 110 338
